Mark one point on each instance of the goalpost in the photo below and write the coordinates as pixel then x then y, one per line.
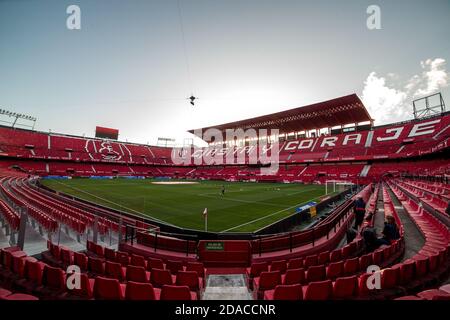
pixel 333 186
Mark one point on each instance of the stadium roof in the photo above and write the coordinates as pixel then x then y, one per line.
pixel 336 112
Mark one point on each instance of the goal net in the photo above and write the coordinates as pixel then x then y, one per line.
pixel 337 186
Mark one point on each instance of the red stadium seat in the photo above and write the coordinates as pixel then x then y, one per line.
pixel 115 270
pixel 33 276
pixel 345 287
pixel 110 254
pixel 197 267
pixel 434 294
pixel 81 260
pixel 351 266
pixel 160 277
pixel 137 260
pixel 335 255
pixel 169 292
pixel 137 274
pixel 20 296
pixel 295 263
pixel 153 263
pixel 190 279
pixel 96 265
pixel 122 258
pixel 445 288
pixel 293 276
pixel 266 281
pixel 108 289
pixel 310 261
pixel 279 265
pixel 139 291
pixel 389 278
pixel 53 281
pixel 315 273
pixel 409 298
pixel 334 270
pixel 321 290
pixel 406 272
pixel 285 292
pixel 86 289
pixel 174 266
pixel 323 258
pixel 365 261
pixel 256 268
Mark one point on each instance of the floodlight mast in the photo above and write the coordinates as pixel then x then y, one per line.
pixel 430 109
pixel 16 117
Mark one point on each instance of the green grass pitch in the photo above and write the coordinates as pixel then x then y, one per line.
pixel 245 207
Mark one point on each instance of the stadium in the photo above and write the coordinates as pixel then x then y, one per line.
pixel 274 207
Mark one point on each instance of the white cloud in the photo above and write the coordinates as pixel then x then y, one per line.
pixel 393 102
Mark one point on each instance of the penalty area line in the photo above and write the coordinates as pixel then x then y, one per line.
pixel 267 216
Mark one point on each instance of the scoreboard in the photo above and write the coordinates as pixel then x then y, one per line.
pixel 106 133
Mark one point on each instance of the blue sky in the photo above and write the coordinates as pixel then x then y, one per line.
pixel 127 68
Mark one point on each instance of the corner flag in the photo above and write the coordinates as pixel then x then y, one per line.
pixel 205 216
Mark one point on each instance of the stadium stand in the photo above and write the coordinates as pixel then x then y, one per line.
pixel 401 168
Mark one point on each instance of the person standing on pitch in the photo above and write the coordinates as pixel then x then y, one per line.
pixel 223 190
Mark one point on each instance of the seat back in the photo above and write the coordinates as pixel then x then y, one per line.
pixel 315 273
pixel 320 290
pixel 257 267
pixel 310 261
pixel 335 255
pixel 170 292
pixel 114 270
pixel 96 265
pixel 33 271
pixel 188 278
pixel 53 277
pixel 389 278
pixel 136 274
pixel 323 258
pixel 294 276
pixel 85 289
pixel 160 277
pixel 345 287
pixel 351 266
pixel 110 254
pixel 288 292
pixel 295 263
pixel 107 289
pixel 174 266
pixel 81 260
pixel 335 269
pixel 153 263
pixel 137 260
pixel 269 280
pixel 66 256
pixel 279 265
pixel 197 267
pixel 139 291
pixel 123 258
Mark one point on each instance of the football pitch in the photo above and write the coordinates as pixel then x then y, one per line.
pixel 245 206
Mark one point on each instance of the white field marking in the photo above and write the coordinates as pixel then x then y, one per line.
pixel 239 200
pixel 175 182
pixel 301 191
pixel 119 205
pixel 266 216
